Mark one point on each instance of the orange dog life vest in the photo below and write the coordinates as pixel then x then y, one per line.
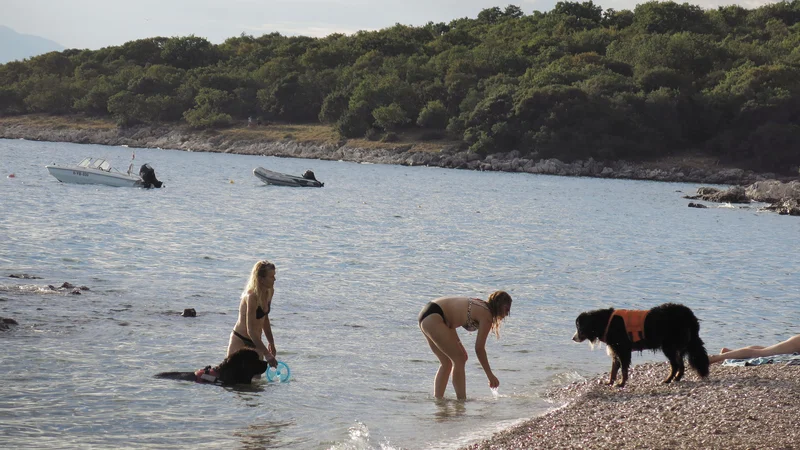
pixel 206 375
pixel 634 322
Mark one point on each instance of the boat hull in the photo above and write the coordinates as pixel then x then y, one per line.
pixel 281 179
pixel 82 175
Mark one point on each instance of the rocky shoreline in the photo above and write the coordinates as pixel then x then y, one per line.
pixel 447 156
pixel 735 408
pixel 783 193
pixel 784 198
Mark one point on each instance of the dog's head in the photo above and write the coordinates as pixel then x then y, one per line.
pixel 591 325
pixel 241 367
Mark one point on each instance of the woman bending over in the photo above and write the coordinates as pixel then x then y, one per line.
pixel 438 321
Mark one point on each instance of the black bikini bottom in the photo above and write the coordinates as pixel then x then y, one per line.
pixel 245 339
pixel 431 308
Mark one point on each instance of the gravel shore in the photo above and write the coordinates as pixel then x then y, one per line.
pixel 735 408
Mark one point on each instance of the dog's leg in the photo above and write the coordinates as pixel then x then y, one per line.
pixel 625 362
pixel 614 369
pixel 681 366
pixel 673 356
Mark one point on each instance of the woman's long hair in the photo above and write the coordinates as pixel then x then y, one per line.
pixel 496 302
pixel 260 269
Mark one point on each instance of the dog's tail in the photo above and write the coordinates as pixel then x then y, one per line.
pixel 186 376
pixel 698 357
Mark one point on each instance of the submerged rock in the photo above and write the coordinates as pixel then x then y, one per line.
pixel 6 323
pixel 784 197
pixel 24 276
pixel 788 207
pixel 189 312
pixel 74 290
pixel 773 191
pixel 735 194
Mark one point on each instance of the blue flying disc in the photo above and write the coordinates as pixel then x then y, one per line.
pixel 280 373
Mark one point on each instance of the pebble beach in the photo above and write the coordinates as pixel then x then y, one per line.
pixel 734 408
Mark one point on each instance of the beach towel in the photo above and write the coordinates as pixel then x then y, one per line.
pixel 789 359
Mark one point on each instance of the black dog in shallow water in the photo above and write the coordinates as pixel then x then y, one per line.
pixel 670 327
pixel 239 368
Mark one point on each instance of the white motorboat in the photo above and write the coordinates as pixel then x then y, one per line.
pixel 99 171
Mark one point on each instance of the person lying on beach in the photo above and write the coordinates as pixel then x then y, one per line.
pixel 438 321
pixel 254 306
pixel 791 345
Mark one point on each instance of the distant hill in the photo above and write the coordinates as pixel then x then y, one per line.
pixel 16 46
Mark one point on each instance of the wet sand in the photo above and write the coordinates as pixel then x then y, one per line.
pixel 735 408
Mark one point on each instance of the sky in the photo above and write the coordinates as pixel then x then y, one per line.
pixel 94 24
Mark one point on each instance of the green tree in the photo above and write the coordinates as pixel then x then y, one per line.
pixel 95 101
pixel 123 107
pixel 433 115
pixel 11 102
pixel 390 117
pixel 355 121
pixel 334 105
pixel 140 52
pixel 207 112
pixel 670 17
pixel 188 52
pixel 50 94
pixel 587 14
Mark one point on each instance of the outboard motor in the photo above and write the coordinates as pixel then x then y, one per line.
pixel 309 175
pixel 149 177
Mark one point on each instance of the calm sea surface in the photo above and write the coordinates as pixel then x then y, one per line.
pixel 356 261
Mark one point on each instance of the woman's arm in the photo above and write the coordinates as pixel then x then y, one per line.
pixel 480 352
pixel 268 334
pixel 267 325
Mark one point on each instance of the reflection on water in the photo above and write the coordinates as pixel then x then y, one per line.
pixel 356 262
pixel 447 409
pixel 265 434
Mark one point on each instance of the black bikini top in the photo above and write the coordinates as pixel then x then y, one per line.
pixel 260 312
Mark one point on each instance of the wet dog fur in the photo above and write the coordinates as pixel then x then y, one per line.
pixel 671 328
pixel 239 368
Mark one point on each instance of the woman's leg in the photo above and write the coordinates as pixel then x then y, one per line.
pixel 460 378
pixel 234 344
pixel 791 345
pixel 726 349
pixel 447 342
pixel 443 374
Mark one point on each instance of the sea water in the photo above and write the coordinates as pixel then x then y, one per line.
pixel 356 261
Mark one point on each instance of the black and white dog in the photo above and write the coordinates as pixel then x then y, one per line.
pixel 239 368
pixel 671 328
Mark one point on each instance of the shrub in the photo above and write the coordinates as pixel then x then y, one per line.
pixel 390 137
pixel 433 115
pixel 390 117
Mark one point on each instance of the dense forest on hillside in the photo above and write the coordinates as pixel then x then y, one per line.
pixel 572 83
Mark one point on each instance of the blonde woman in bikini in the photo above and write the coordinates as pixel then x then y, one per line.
pixel 254 307
pixel 438 321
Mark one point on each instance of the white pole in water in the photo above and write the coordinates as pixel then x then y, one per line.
pixel 131 166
